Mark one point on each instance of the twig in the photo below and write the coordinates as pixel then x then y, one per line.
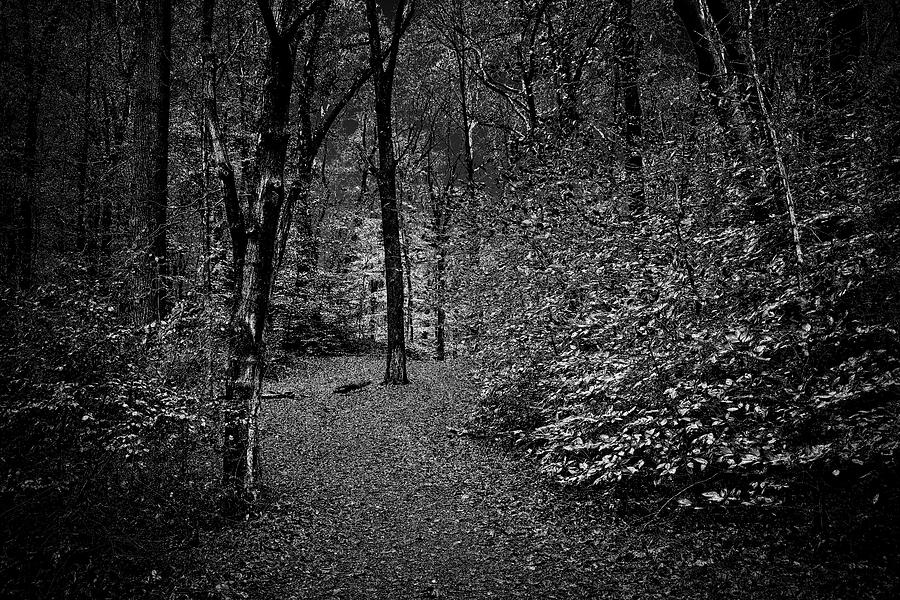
pixel 678 493
pixel 278 396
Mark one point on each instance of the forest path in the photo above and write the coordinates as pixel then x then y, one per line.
pixel 375 498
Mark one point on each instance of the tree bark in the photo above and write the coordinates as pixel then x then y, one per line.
pixel 81 231
pixel 149 188
pixel 386 175
pixel 258 230
pixel 629 54
pixel 440 326
pixel 407 266
pixel 740 79
pixel 22 241
pixel 691 17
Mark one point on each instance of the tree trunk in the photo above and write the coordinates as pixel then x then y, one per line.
pixel 25 242
pixel 81 231
pixel 151 156
pixel 386 175
pixel 440 351
pixel 407 266
pixel 739 76
pixel 254 235
pixel 629 52
pixel 34 69
pixel 691 17
pixel 258 231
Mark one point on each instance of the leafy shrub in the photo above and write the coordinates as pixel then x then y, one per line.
pixel 683 349
pixel 100 431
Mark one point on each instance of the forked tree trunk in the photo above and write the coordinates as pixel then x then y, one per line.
pixel 254 234
pixel 259 229
pixel 247 339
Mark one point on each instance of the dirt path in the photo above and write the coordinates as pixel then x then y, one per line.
pixel 375 499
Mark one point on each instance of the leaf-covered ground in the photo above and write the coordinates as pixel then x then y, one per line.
pixel 372 496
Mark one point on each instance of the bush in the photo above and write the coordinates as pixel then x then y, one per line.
pixel 100 434
pixel 684 349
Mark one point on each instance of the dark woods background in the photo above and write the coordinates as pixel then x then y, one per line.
pixel 668 229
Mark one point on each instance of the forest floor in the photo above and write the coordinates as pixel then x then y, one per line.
pixel 373 495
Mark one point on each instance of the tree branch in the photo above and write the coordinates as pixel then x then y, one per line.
pixel 269 21
pixel 335 110
pixel 313 8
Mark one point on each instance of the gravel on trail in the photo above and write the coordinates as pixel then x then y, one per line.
pixel 375 496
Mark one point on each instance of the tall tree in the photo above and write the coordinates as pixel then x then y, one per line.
pixel 691 16
pixel 629 77
pixel 35 59
pixel 150 175
pixel 260 226
pixel 384 65
pixel 737 64
pixel 254 231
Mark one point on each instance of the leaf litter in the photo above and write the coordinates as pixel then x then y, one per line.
pixel 372 498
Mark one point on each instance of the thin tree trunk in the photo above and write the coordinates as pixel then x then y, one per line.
pixel 689 13
pixel 25 242
pixel 739 77
pixel 629 52
pixel 467 122
pixel 440 350
pixel 407 266
pixel 775 140
pixel 81 233
pixel 386 175
pixel 374 286
pixel 34 69
pixel 151 157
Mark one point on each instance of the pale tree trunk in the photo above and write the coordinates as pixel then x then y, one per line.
pixel 775 141
pixel 386 175
pixel 440 326
pixel 407 265
pixel 149 189
pixel 739 76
